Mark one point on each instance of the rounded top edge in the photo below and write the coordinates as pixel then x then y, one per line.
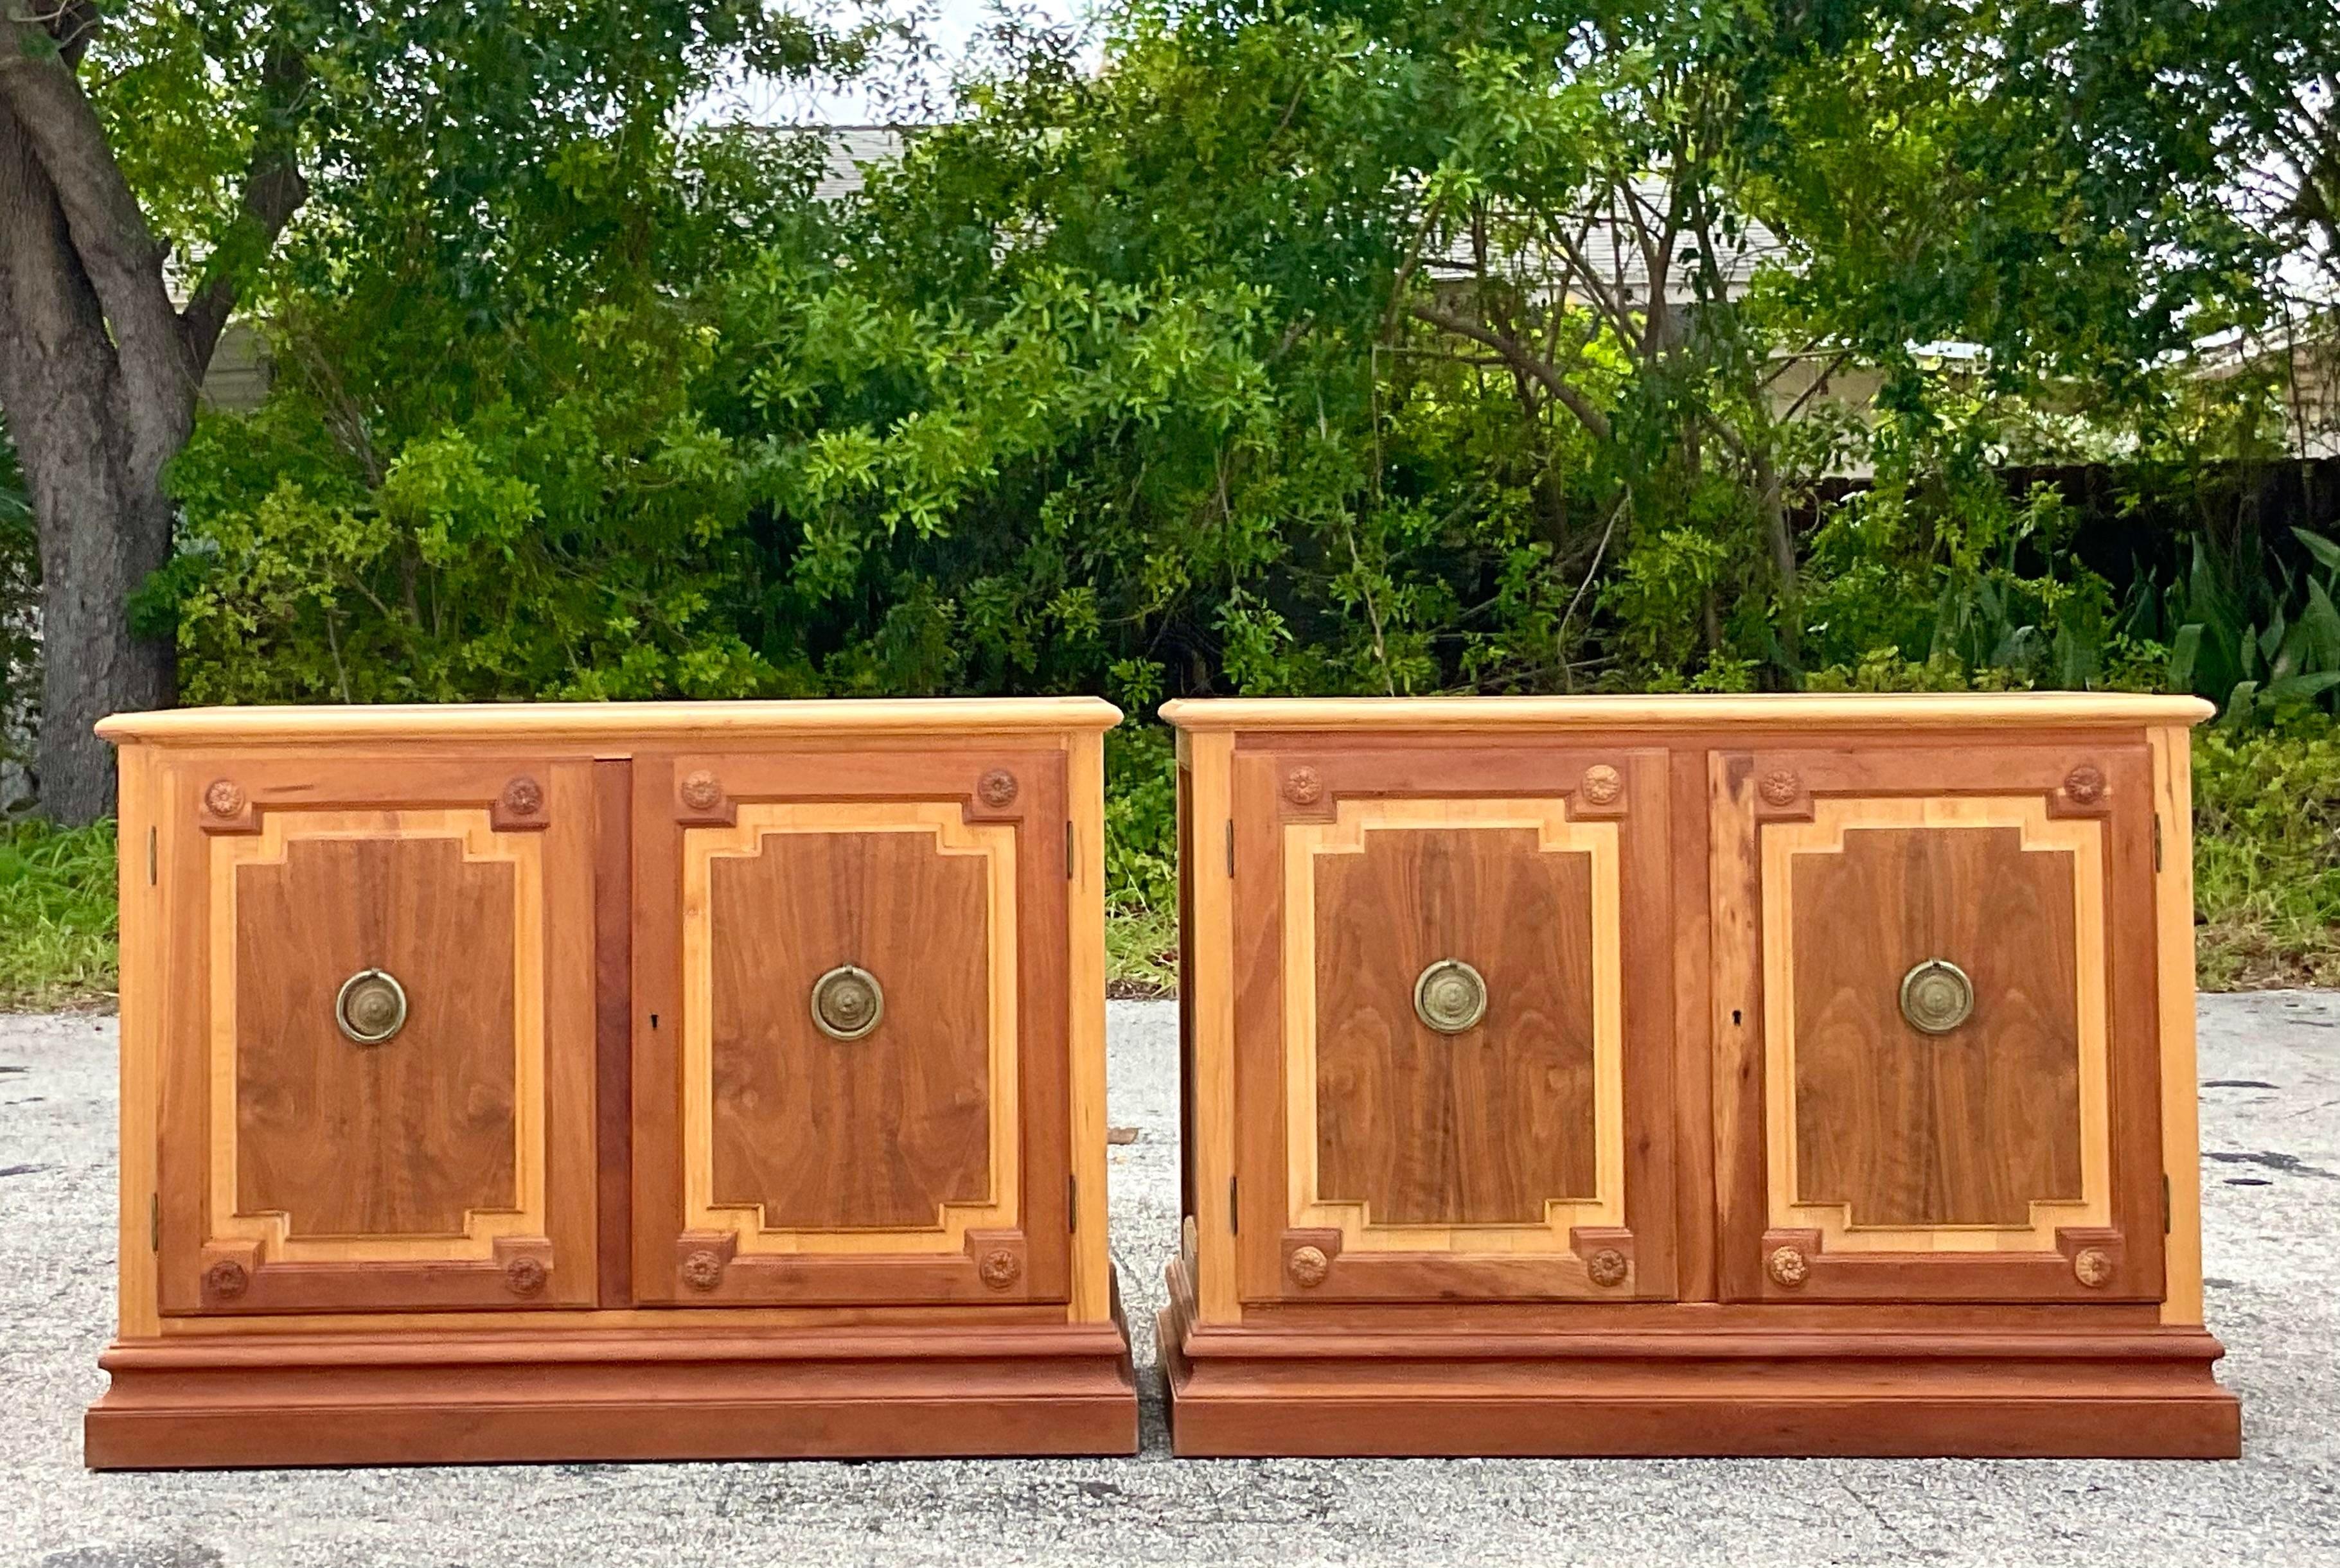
pixel 1677 710
pixel 814 715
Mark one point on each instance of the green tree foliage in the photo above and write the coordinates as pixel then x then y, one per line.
pixel 1302 347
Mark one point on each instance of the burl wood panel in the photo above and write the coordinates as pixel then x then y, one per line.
pixel 1478 1127
pixel 1907 1129
pixel 401 1138
pixel 881 1131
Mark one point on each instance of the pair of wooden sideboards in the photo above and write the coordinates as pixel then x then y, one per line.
pixel 1561 1076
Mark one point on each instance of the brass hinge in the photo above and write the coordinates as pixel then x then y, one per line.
pixel 1069 852
pixel 1235 1213
pixel 2165 1203
pixel 1072 1203
pixel 1231 847
pixel 154 1221
pixel 149 857
pixel 2157 841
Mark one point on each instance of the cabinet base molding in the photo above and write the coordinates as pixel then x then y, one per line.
pixel 2137 1393
pixel 218 1401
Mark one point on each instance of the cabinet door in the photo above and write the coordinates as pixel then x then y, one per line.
pixel 851 1027
pixel 378 1092
pixel 1937 1013
pixel 1453 1024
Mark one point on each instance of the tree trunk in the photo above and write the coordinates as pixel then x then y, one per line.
pixel 93 452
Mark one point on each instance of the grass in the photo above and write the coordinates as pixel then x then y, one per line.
pixel 1141 951
pixel 2266 886
pixel 2267 859
pixel 56 916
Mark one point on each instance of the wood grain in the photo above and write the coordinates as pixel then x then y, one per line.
pixel 882 1133
pixel 1207 1007
pixel 592 1394
pixel 1085 984
pixel 633 727
pixel 1614 715
pixel 1912 1130
pixel 407 1137
pixel 2181 1095
pixel 1481 1128
pixel 1005 1070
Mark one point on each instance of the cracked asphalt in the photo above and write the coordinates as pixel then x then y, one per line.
pixel 2271 1120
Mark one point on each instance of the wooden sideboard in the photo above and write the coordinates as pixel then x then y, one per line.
pixel 607 1081
pixel 1690 1075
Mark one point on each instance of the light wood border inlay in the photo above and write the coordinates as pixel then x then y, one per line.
pixel 2181 1094
pixel 945 823
pixel 476 835
pixel 145 985
pixel 1092 1281
pixel 1211 1008
pixel 2082 839
pixel 1556 834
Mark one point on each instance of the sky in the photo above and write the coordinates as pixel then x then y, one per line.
pixel 953 29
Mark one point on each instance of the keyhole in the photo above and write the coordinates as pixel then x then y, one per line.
pixel 1734 1016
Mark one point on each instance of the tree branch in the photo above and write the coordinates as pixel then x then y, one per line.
pixel 1519 358
pixel 116 249
pixel 273 190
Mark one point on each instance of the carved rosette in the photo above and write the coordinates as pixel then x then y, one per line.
pixel 1307 1266
pixel 2092 1267
pixel 1607 1266
pixel 1304 786
pixel 2084 785
pixel 523 796
pixel 1603 785
pixel 996 788
pixel 999 1267
pixel 1788 1266
pixel 702 791
pixel 525 1276
pixel 225 1279
pixel 225 797
pixel 1780 788
pixel 702 1270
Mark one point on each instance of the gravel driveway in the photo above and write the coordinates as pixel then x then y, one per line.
pixel 2271 1126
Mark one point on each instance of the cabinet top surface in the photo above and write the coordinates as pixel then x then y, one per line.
pixel 1691 711
pixel 675 722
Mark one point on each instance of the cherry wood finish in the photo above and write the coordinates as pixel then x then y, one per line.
pixel 474 1240
pixel 1420 1127
pixel 447 1167
pixel 1407 1124
pixel 1840 1234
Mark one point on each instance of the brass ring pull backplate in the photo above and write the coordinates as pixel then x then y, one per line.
pixel 1936 996
pixel 846 1002
pixel 1450 996
pixel 372 1006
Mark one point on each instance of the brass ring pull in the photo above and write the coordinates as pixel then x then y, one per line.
pixel 846 1002
pixel 1936 996
pixel 372 1006
pixel 1450 996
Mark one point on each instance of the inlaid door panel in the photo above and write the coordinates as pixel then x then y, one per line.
pixel 1452 1033
pixel 385 1101
pixel 1953 1023
pixel 852 1040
